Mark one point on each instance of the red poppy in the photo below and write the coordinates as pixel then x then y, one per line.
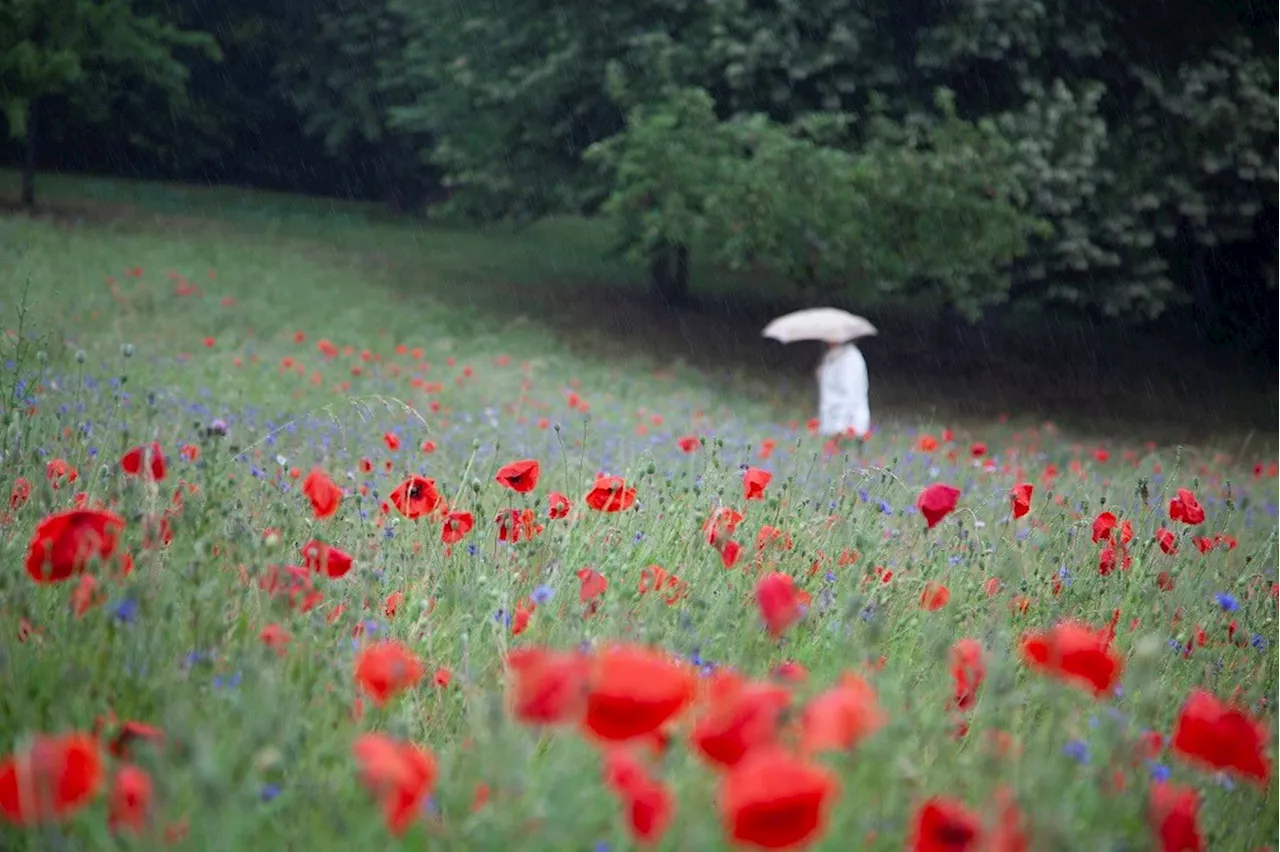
pixel 129 807
pixel 1172 810
pixel 688 443
pixel 1222 737
pixel 593 584
pixel 779 602
pixel 326 559
pixel 968 670
pixel 656 578
pixel 1167 540
pixel 392 440
pixel 517 524
pixel 65 542
pixel 610 494
pixel 385 669
pixel 942 824
pixel 456 526
pixel 754 482
pixel 20 494
pixel 1020 499
pixel 769 535
pixel 774 800
pixel 1186 508
pixel 520 476
pixel 738 717
pixel 632 692
pixel 57 470
pixel 936 502
pixel 1074 653
pixel 415 497
pixel 55 777
pixel 547 687
pixel 648 804
pixel 558 505
pixel 1105 523
pixel 841 717
pixel 146 461
pixel 935 596
pixel 399 774
pixel 324 494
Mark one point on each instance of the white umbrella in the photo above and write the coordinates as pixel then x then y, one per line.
pixel 831 325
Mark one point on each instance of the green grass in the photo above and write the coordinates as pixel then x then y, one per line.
pixel 506 324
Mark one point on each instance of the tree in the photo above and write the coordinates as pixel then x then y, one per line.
pixel 914 210
pixel 344 79
pixel 49 46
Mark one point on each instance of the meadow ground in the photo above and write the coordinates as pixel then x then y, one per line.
pixel 822 665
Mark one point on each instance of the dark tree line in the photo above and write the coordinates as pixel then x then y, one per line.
pixel 1098 156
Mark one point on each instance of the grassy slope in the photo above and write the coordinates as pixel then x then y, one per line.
pixel 288 265
pixel 552 288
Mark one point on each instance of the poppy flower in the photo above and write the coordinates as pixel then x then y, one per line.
pixel 754 482
pixel 547 687
pixel 633 691
pixel 610 494
pixel 146 461
pixel 934 597
pixel 936 502
pixel 1105 523
pixel 1167 540
pixel 392 440
pixel 1020 499
pixel 593 584
pixel 456 526
pixel 55 777
pixel 968 670
pixel 1219 736
pixel 516 524
pixel 323 492
pixel 19 494
pixel 326 559
pixel 841 717
pixel 129 803
pixel 1074 653
pixel 1172 808
pixel 779 602
pixel 739 716
pixel 520 476
pixel 415 497
pixel 385 669
pixel 688 443
pixel 1186 508
pixel 942 824
pixel 558 505
pixel 65 542
pixel 773 800
pixel 648 804
pixel 399 774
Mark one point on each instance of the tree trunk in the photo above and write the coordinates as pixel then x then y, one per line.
pixel 29 159
pixel 669 273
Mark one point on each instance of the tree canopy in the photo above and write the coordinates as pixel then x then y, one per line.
pixel 1098 156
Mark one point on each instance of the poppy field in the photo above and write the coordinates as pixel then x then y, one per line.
pixel 297 562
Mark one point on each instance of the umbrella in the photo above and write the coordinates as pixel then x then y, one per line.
pixel 831 325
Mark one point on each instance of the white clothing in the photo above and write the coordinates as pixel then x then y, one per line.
pixel 842 392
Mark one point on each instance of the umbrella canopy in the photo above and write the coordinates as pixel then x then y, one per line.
pixel 831 325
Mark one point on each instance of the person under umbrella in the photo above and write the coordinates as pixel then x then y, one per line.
pixel 844 410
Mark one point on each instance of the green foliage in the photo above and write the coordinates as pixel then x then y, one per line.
pixel 934 208
pixel 52 46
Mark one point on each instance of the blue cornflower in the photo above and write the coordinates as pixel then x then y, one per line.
pixel 1227 602
pixel 230 681
pixel 542 594
pixel 269 792
pixel 126 611
pixel 1159 772
pixel 1077 750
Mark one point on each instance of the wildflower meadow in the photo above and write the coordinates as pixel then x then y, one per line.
pixel 294 563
